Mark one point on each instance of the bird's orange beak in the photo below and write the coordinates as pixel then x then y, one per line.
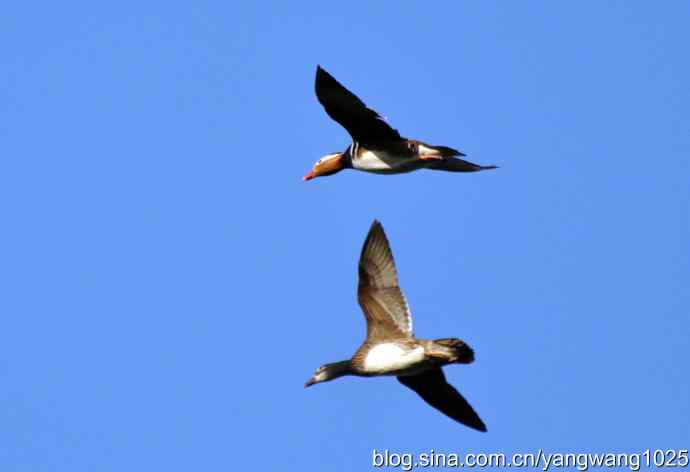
pixel 327 165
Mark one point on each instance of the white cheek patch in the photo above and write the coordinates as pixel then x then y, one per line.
pixel 391 357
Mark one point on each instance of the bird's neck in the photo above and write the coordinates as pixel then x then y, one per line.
pixel 349 154
pixel 338 369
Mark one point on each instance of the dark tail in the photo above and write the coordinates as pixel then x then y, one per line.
pixel 453 164
pixel 462 353
pixel 446 151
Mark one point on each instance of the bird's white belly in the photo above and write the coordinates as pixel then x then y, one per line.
pixel 382 163
pixel 390 357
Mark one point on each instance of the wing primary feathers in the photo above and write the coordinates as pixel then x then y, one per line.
pixel 379 295
pixel 432 386
pixel 364 124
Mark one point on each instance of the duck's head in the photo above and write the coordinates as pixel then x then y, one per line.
pixel 327 165
pixel 321 375
pixel 329 372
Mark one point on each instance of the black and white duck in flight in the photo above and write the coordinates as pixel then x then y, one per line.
pixel 376 147
pixel 390 347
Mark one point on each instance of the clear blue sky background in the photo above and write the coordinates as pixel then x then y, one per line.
pixel 169 282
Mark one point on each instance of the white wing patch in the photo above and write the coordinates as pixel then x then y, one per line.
pixel 390 357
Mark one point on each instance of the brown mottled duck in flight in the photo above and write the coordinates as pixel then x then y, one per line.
pixel 390 347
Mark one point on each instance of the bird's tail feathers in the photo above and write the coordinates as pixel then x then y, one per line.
pixel 446 151
pixel 453 164
pixel 458 350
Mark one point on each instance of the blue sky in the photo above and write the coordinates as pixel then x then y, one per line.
pixel 169 282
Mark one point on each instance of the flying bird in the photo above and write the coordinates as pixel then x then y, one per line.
pixel 376 147
pixel 390 348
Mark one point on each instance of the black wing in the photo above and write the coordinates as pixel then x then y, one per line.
pixel 431 385
pixel 363 124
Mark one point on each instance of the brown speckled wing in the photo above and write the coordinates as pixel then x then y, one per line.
pixel 382 301
pixel 363 124
pixel 433 388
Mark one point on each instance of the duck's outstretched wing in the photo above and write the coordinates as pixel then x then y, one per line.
pixel 382 301
pixel 363 124
pixel 431 385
